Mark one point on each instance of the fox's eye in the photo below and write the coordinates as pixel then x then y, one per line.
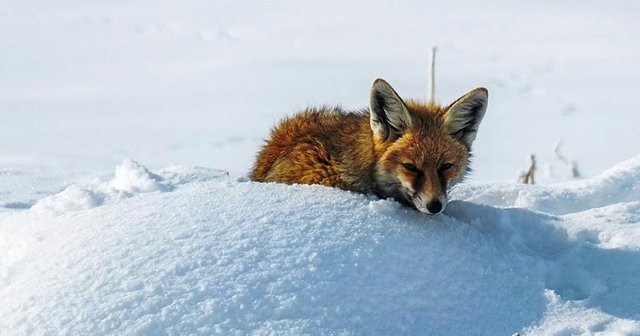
pixel 410 167
pixel 446 167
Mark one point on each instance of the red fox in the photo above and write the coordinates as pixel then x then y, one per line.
pixel 410 151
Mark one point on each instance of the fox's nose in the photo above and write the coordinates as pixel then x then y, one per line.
pixel 434 206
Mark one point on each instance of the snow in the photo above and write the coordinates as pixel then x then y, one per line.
pixel 194 248
pixel 130 178
pixel 195 251
pixel 613 186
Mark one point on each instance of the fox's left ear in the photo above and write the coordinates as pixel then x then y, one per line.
pixel 465 114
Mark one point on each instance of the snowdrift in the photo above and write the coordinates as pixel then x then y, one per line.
pixel 191 251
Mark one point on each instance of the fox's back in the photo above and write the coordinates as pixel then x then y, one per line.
pixel 325 146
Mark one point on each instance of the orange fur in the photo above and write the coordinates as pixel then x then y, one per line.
pixel 319 146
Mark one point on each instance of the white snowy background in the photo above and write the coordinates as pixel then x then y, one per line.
pixel 127 129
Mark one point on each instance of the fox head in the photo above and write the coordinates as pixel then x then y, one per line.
pixel 424 149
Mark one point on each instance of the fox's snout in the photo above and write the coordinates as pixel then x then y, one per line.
pixel 430 206
pixel 434 206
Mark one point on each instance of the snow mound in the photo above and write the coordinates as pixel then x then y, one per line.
pixel 616 185
pixel 130 179
pixel 198 253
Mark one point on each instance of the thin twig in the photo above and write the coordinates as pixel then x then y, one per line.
pixel 571 164
pixel 431 97
pixel 528 177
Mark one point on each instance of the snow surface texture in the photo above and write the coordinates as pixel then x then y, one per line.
pixel 191 251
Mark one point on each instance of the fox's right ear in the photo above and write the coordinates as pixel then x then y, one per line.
pixel 389 114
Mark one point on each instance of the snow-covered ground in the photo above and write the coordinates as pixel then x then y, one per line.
pixel 85 85
pixel 192 251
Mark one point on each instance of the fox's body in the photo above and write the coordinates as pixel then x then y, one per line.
pixel 410 151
